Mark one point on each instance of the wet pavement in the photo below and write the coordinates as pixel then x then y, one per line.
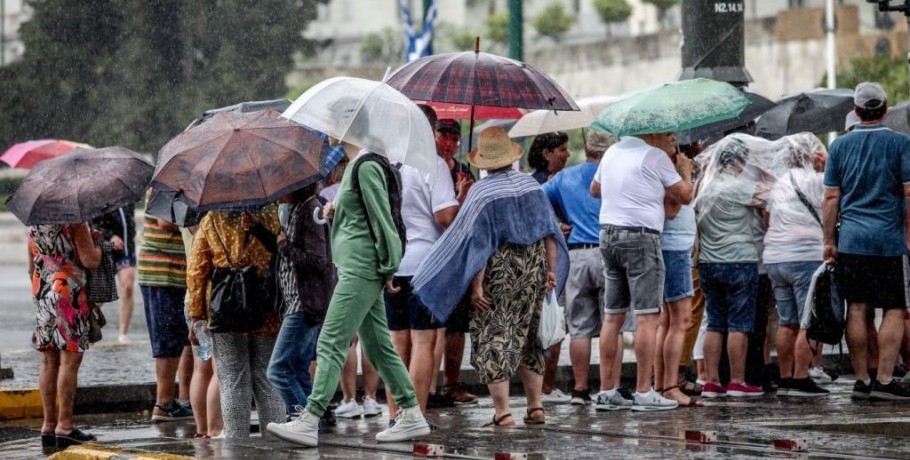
pixel 833 427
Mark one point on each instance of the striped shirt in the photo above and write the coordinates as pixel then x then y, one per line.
pixel 162 259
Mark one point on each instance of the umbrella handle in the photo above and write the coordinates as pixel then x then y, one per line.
pixel 318 218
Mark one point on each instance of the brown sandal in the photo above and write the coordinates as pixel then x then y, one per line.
pixel 529 420
pixel 693 402
pixel 498 421
pixel 688 387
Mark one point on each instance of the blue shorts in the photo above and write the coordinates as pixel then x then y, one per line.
pixel 168 332
pixel 790 281
pixel 404 312
pixel 678 275
pixel 731 291
pixel 121 261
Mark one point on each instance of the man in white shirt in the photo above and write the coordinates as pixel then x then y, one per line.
pixel 633 179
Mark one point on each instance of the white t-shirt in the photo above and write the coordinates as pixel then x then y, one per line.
pixel 793 234
pixel 633 177
pixel 421 197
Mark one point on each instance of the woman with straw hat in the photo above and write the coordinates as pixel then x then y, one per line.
pixel 506 250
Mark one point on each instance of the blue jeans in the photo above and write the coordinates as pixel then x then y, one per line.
pixel 791 287
pixel 731 291
pixel 289 368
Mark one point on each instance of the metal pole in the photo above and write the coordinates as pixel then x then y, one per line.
pixel 426 9
pixel 516 30
pixel 830 53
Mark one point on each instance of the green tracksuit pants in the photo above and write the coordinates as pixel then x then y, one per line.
pixel 357 306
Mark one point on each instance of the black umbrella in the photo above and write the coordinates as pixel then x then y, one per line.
pixel 758 106
pixel 898 118
pixel 81 185
pixel 818 111
pixel 172 205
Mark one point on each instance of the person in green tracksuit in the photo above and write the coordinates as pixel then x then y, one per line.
pixel 366 261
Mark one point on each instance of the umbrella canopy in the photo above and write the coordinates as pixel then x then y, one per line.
pixel 278 105
pixel 240 160
pixel 672 108
pixel 81 185
pixel 758 105
pixel 818 111
pixel 547 121
pixel 370 114
pixel 479 79
pixel 898 117
pixel 25 154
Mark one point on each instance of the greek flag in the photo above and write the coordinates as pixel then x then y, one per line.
pixel 418 44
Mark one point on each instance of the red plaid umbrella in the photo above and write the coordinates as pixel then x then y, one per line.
pixel 474 79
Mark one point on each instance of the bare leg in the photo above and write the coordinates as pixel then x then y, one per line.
pixel 713 345
pixel 645 345
pixel 213 404
pixel 580 354
pixel 608 346
pixel 454 353
pixel 532 382
pixel 438 351
pixel 737 342
pixel 856 340
pixel 803 357
pixel 127 279
pixel 617 361
pixel 370 377
pixel 890 336
pixel 47 381
pixel 202 376
pixel 786 343
pixel 552 365
pixel 680 315
pixel 499 391
pixel 662 326
pixel 349 374
pixel 421 364
pixel 66 389
pixel 165 372
pixel 185 374
pixel 401 341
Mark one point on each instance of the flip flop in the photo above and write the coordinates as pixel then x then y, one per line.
pixel 498 421
pixel 693 402
pixel 531 420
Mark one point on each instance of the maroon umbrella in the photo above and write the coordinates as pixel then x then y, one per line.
pixel 479 79
pixel 239 160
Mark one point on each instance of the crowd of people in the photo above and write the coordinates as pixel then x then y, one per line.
pixel 732 232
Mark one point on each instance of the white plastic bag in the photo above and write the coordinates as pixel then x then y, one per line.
pixel 552 321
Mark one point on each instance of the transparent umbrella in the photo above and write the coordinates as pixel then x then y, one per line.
pixel 369 114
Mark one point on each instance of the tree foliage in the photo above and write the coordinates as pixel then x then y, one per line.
pixel 662 7
pixel 612 11
pixel 498 27
pixel 890 72
pixel 136 72
pixel 553 21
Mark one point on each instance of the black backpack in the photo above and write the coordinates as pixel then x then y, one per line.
pixel 393 180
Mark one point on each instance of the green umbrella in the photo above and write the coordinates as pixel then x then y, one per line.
pixel 671 108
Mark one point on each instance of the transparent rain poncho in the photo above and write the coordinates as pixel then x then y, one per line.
pixel 741 164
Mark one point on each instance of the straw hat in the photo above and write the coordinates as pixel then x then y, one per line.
pixel 494 149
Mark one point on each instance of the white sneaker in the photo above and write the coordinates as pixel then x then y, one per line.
pixel 819 375
pixel 556 396
pixel 371 408
pixel 409 424
pixel 652 400
pixel 349 409
pixel 611 400
pixel 122 338
pixel 303 430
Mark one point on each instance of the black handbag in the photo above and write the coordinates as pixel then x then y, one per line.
pixel 236 303
pixel 824 316
pixel 102 282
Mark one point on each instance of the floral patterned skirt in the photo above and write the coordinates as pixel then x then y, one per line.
pixel 505 336
pixel 62 316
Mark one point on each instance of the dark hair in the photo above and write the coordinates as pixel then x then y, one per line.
pixel 547 141
pixel 872 114
pixel 732 154
pixel 305 193
pixel 430 113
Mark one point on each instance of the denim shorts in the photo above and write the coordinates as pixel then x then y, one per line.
pixel 790 281
pixel 167 326
pixel 121 261
pixel 678 278
pixel 403 310
pixel 731 291
pixel 634 271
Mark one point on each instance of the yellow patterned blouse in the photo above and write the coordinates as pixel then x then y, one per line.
pixel 221 241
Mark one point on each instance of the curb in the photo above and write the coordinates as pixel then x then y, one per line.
pixel 94 452
pixel 22 404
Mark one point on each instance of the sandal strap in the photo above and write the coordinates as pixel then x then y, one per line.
pixel 674 387
pixel 531 410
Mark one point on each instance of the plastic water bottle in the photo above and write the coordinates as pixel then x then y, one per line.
pixel 204 350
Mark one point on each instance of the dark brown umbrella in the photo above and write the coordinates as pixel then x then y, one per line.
pixel 81 185
pixel 240 160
